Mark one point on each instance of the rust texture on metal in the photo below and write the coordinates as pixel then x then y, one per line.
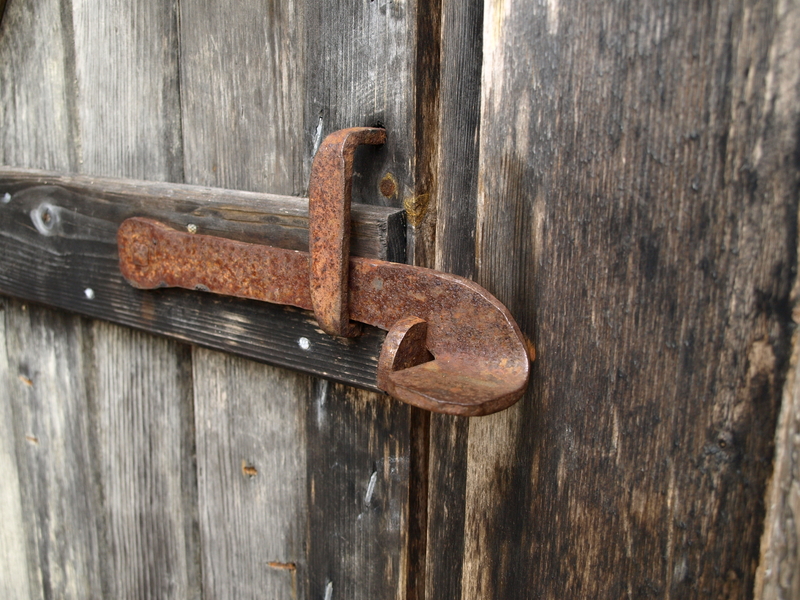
pixel 329 192
pixel 480 362
pixel 404 347
pixel 452 347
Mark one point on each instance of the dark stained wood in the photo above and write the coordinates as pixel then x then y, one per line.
pixel 74 250
pixel 456 198
pixel 100 204
pixel 358 463
pixel 243 76
pixel 637 210
pixel 361 71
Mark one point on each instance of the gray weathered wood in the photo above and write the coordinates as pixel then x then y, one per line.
pixel 92 106
pixel 61 494
pixel 127 109
pixel 778 575
pixel 252 491
pixel 242 88
pixel 637 210
pixel 13 556
pixel 50 417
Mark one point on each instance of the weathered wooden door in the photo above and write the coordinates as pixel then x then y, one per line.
pixel 624 176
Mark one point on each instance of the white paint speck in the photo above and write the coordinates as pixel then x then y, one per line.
pixel 304 343
pixel 319 401
pixel 371 487
pixel 329 591
pixel 191 228
pixel 317 137
pixel 6 198
pixel 89 293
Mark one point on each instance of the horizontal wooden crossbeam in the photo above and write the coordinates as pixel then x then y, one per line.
pixel 58 246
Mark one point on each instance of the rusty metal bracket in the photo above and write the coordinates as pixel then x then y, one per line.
pixel 451 347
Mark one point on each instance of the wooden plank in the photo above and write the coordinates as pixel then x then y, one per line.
pixel 57 483
pixel 251 466
pixel 102 203
pixel 637 213
pixel 456 198
pixel 128 112
pixel 778 575
pixel 242 88
pixel 128 109
pixel 60 241
pixel 13 557
pixel 362 70
pixel 60 491
pixel 360 65
pixel 358 470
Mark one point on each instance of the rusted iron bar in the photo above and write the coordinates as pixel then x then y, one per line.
pixel 480 363
pixel 329 192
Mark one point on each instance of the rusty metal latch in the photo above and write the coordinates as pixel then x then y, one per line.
pixel 451 347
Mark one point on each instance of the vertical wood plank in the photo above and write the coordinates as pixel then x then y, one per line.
pixel 242 88
pixel 37 130
pixel 143 424
pixel 778 575
pixel 251 463
pixel 362 70
pixel 358 469
pixel 13 555
pixel 60 496
pixel 637 213
pixel 46 391
pixel 456 199
pixel 128 110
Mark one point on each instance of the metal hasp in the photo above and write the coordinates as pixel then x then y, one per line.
pixel 452 347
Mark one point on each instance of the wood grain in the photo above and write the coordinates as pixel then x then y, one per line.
pixel 637 213
pixel 252 491
pixel 13 557
pixel 242 83
pixel 127 111
pixel 456 198
pixel 361 70
pixel 102 203
pixel 60 491
pixel 358 470
pixel 59 242
pixel 779 564
pixel 47 394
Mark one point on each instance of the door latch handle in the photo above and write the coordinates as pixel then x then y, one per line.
pixel 451 346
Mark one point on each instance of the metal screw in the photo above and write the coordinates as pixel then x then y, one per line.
pixel 89 292
pixel 191 228
pixel 304 343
